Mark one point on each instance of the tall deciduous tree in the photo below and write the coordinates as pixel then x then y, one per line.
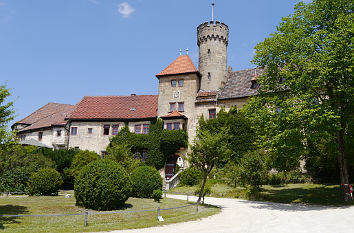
pixel 307 90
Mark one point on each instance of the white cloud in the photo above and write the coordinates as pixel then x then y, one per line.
pixel 2 4
pixel 125 9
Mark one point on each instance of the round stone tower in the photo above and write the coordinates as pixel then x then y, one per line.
pixel 213 38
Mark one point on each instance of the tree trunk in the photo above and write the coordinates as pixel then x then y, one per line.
pixel 202 189
pixel 343 169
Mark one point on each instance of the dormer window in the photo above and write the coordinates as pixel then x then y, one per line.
pixel 173 83
pixel 254 85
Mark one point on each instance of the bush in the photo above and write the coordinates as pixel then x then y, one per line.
pixel 190 176
pixel 45 182
pixel 291 177
pixel 157 195
pixel 17 165
pixel 251 171
pixel 80 160
pixel 102 185
pixel 14 180
pixel 145 180
pixel 62 159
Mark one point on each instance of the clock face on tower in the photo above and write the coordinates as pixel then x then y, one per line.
pixel 176 94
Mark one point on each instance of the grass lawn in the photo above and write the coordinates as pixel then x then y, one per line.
pixel 291 193
pixel 61 205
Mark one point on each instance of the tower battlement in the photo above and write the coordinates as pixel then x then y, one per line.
pixel 212 40
pixel 213 31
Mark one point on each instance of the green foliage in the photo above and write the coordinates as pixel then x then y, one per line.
pixel 208 149
pixel 145 180
pixel 292 177
pixel 6 115
pixel 307 90
pixel 157 195
pixel 62 159
pixel 238 135
pixel 190 176
pixel 159 145
pixel 45 182
pixel 80 160
pixel 251 171
pixel 14 180
pixel 17 163
pixel 102 185
pixel 206 190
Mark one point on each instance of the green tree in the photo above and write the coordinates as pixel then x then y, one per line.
pixel 6 115
pixel 80 160
pixel 307 88
pixel 209 147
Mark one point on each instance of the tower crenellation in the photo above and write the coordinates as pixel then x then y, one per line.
pixel 212 39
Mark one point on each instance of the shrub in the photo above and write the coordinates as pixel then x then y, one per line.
pixel 145 180
pixel 157 195
pixel 80 160
pixel 14 180
pixel 102 185
pixel 190 176
pixel 45 182
pixel 252 170
pixel 17 166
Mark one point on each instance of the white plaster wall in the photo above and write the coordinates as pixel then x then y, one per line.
pixel 96 141
pixel 47 138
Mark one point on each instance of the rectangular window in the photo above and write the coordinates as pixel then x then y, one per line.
pixel 176 126
pixel 137 155
pixel 209 76
pixel 169 126
pixel 106 129
pixel 115 129
pixel 137 129
pixel 73 130
pixel 172 107
pixel 103 154
pixel 22 137
pixel 40 136
pixel 89 130
pixel 146 129
pixel 143 157
pixel 58 133
pixel 212 113
pixel 173 83
pixel 77 148
pixel 181 107
pixel 180 82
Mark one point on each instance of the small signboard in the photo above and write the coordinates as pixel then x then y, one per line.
pixel 160 218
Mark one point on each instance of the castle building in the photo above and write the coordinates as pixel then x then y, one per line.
pixel 185 94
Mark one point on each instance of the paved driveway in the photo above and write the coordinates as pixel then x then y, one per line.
pixel 258 217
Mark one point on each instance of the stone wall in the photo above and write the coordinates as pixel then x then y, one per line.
pixel 212 42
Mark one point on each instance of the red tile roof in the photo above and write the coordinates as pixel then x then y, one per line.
pixel 183 64
pixel 174 114
pixel 116 107
pixel 51 114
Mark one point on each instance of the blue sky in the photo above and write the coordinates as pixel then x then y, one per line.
pixel 62 50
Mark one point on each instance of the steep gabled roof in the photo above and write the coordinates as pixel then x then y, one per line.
pixel 116 107
pixel 182 65
pixel 51 114
pixel 239 84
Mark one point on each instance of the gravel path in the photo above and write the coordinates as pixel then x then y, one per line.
pixel 258 217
